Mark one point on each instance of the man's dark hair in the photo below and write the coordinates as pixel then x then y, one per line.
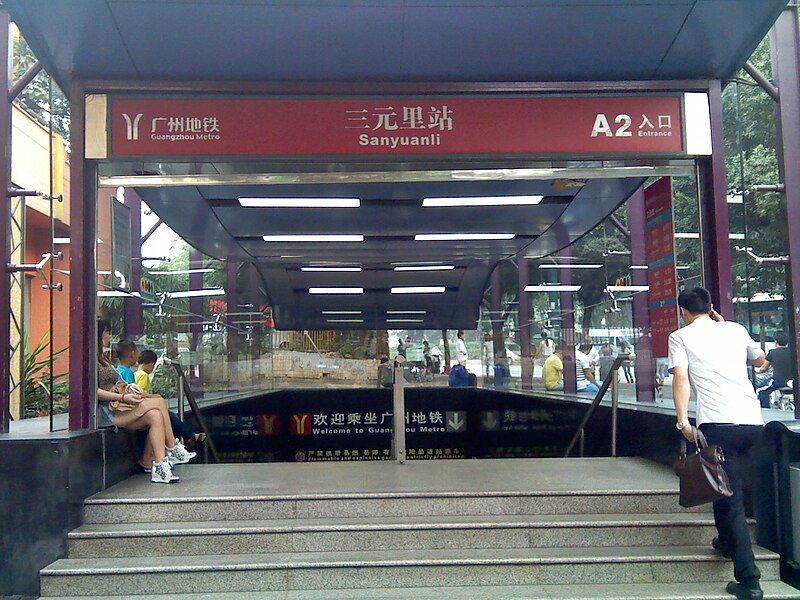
pixel 460 333
pixel 696 301
pixel 384 360
pixel 147 357
pixel 781 339
pixel 585 347
pixel 124 348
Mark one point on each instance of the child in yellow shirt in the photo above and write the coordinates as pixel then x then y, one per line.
pixel 147 364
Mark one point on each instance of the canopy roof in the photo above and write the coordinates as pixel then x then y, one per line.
pixel 432 42
pixel 394 40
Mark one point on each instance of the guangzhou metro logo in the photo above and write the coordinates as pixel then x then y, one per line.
pixel 175 129
pixel 132 125
pixel 300 424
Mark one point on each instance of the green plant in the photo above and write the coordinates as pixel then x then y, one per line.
pixel 37 381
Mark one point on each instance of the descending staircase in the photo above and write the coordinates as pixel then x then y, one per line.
pixel 626 539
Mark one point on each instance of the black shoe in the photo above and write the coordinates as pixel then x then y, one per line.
pixel 717 545
pixel 743 592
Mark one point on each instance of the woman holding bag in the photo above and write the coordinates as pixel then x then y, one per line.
pixel 124 406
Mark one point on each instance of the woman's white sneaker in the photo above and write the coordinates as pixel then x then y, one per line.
pixel 162 473
pixel 179 455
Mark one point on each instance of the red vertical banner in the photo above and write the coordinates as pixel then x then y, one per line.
pixel 661 277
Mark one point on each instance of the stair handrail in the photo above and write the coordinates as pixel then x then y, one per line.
pixel 185 393
pixel 611 381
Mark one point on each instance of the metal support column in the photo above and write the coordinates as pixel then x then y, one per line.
pixel 643 365
pixel 196 320
pixel 134 319
pixel 525 325
pixel 399 415
pixel 496 314
pixel 195 302
pixel 5 224
pixel 231 270
pixel 785 45
pixel 83 275
pixel 567 306
pixel 715 246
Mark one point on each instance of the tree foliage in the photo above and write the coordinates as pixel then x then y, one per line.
pixel 36 97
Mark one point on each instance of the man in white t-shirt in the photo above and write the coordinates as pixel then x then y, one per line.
pixel 461 349
pixel 709 357
pixel 584 371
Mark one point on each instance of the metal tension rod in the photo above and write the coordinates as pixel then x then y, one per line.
pixel 762 81
pixel 39 268
pixel 21 83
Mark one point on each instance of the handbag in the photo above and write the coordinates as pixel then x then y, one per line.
pixel 702 478
pixel 122 388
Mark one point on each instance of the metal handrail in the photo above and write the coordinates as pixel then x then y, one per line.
pixel 185 393
pixel 610 381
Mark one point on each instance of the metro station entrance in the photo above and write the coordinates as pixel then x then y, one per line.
pixel 377 212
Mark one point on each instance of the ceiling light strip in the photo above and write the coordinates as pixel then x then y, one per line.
pixel 482 201
pixel 448 237
pixel 422 289
pixel 552 288
pixel 426 268
pixel 331 269
pixel 197 293
pixel 336 290
pixel 300 202
pixel 575 266
pixel 314 238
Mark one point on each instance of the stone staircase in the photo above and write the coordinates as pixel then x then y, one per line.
pixel 504 529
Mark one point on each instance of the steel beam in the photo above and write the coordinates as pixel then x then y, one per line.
pixel 151 231
pixel 713 213
pixel 567 306
pixel 762 80
pixel 5 227
pixel 134 319
pixel 496 315
pixel 21 83
pixel 401 176
pixel 231 297
pixel 644 365
pixel 83 275
pixel 525 325
pixel 785 45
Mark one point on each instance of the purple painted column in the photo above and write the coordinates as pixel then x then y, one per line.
pixel 497 313
pixel 567 305
pixel 82 269
pixel 232 300
pixel 195 302
pixel 525 324
pixel 785 41
pixel 643 366
pixel 5 224
pixel 134 319
pixel 196 318
pixel 713 205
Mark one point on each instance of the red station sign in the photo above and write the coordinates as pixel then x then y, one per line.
pixel 586 125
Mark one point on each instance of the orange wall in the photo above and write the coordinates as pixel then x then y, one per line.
pixel 37 243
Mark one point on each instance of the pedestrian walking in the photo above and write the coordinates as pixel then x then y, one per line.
pixel 709 357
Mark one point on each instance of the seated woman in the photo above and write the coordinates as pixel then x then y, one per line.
pixel 146 413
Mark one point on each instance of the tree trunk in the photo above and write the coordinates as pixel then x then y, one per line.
pixel 587 321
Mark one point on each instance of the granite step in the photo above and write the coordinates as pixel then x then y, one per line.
pixel 384 533
pixel 773 590
pixel 393 569
pixel 174 508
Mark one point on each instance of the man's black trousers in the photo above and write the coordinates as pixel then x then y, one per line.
pixel 729 516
